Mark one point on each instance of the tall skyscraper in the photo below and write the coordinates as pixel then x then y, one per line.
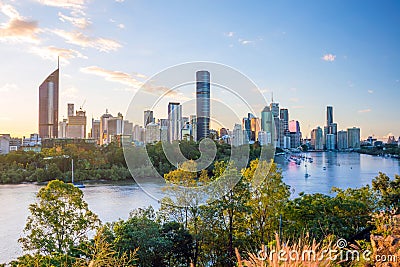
pixel 203 104
pixel 283 126
pixel 330 128
pixel 329 115
pixel 266 120
pixel 295 134
pixel 174 121
pixel 275 113
pixel 148 117
pixel 48 106
pixel 246 122
pixel 255 128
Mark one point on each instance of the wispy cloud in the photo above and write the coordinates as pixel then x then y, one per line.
pixel 245 42
pixel 121 26
pixel 18 28
pixel 294 99
pixel 78 38
pixel 119 1
pixel 329 57
pixel 68 4
pixel 364 110
pixel 51 53
pixel 8 87
pixel 129 80
pixel 113 76
pixel 229 34
pixel 77 21
pixel 370 91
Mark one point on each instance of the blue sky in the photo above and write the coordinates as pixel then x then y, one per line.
pixel 309 53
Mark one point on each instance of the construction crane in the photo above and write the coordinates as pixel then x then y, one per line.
pixel 81 107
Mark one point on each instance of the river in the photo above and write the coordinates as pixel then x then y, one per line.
pixel 114 201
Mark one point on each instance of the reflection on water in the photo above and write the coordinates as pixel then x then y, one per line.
pixel 114 201
pixel 331 169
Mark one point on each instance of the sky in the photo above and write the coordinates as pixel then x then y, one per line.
pixel 310 54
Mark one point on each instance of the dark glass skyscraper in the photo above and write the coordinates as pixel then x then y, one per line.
pixel 329 115
pixel 203 104
pixel 48 106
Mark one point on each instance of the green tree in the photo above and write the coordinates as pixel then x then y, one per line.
pixel 59 220
pixel 388 192
pixel 268 200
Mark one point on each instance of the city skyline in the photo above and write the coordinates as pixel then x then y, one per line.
pixel 307 53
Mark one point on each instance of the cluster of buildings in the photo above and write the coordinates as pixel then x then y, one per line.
pixel 331 139
pixel 272 127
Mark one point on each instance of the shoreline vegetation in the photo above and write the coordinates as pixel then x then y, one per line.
pixel 107 163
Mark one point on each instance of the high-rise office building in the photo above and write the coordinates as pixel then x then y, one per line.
pixel 266 120
pixel 163 129
pixel 264 138
pixel 4 144
pixel 283 126
pixel 354 137
pixel 104 134
pixel 330 142
pixel 152 133
pixel 174 121
pixel 137 133
pixel 237 135
pixel 127 130
pixel 274 109
pixel 275 114
pixel 48 106
pixel 295 134
pixel 148 117
pixel 203 104
pixel 255 128
pixel 329 115
pixel 193 122
pixel 317 141
pixel 71 108
pixel 76 127
pixel 246 123
pixel 95 132
pixel 342 143
pixel 62 128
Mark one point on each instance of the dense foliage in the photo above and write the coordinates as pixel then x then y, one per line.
pixel 96 163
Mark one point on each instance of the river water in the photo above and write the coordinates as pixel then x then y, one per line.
pixel 114 201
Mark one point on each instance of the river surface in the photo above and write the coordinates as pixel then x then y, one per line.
pixel 114 201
